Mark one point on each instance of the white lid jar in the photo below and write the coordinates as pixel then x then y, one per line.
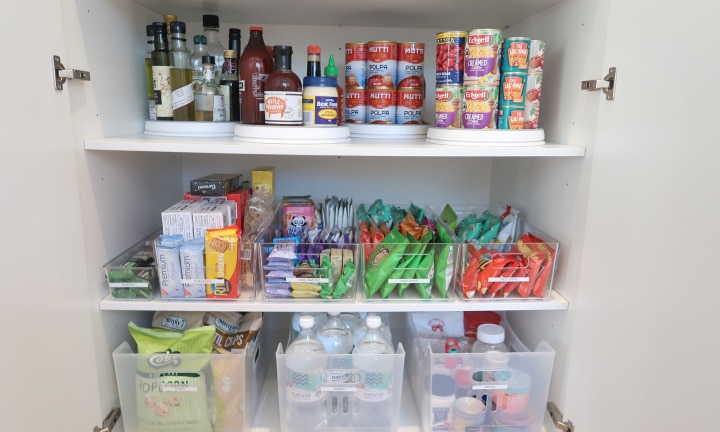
pixel 320 101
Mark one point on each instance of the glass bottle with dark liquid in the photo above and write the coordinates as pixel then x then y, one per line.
pixel 161 73
pixel 255 67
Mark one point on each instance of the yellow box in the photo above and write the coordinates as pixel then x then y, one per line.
pixel 263 178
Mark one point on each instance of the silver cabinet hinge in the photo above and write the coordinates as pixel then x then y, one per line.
pixel 607 84
pixel 109 423
pixel 61 74
pixel 557 418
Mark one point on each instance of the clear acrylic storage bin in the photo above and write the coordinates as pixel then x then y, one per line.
pixel 132 274
pixel 342 392
pixel 410 270
pixel 490 392
pixel 188 392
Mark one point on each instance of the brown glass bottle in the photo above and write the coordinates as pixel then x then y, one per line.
pixel 283 91
pixel 255 67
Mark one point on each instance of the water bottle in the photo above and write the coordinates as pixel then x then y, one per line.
pixel 374 368
pixel 361 329
pixel 335 336
pixel 337 340
pixel 491 342
pixel 319 320
pixel 306 358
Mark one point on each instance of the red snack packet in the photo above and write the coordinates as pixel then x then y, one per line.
pixel 470 277
pixel 544 276
pixel 527 245
pixel 472 319
pixel 500 265
pixel 365 239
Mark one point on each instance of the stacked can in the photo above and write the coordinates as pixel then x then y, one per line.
pixel 520 83
pixel 449 75
pixel 481 78
pixel 382 80
pixel 410 83
pixel 356 75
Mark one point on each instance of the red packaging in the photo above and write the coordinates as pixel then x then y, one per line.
pixel 472 319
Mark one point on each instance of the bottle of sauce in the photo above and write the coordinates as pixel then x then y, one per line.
pixel 255 67
pixel 313 61
pixel 332 71
pixel 283 91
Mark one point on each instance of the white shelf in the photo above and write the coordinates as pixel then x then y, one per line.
pixel 356 147
pixel 553 302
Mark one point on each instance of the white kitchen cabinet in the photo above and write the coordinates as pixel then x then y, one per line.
pixel 635 324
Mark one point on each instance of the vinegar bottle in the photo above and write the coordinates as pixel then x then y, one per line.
pixel 211 30
pixel 161 72
pixel 255 67
pixel 196 58
pixel 150 32
pixel 230 86
pixel 209 99
pixel 183 95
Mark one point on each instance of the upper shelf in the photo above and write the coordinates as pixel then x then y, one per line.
pixel 356 147
pixel 452 14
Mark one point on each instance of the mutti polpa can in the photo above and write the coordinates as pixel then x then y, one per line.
pixel 382 105
pixel 356 105
pixel 411 60
pixel 448 99
pixel 516 54
pixel 482 56
pixel 449 58
pixel 479 106
pixel 382 64
pixel 356 57
pixel 512 88
pixel 410 101
pixel 511 117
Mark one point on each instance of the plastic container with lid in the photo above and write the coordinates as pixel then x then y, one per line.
pixel 320 101
pixel 490 337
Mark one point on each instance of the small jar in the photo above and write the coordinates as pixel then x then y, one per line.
pixel 320 101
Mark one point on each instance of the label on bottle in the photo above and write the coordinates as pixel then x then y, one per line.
pixel 219 113
pixel 226 94
pixel 375 385
pixel 283 108
pixel 304 386
pixel 320 110
pixel 183 96
pixel 258 85
pixel 161 86
pixel 152 111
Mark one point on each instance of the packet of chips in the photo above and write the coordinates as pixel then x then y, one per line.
pixel 424 273
pixel 444 260
pixel 384 258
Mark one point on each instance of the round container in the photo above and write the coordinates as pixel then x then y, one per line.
pixel 447 106
pixel 516 54
pixel 468 414
pixel 511 117
pixel 356 105
pixel 513 86
pixel 533 89
pixel 441 401
pixel 411 60
pixel 531 117
pixel 516 396
pixel 410 103
pixel 507 422
pixel 320 101
pixel 382 105
pixel 537 56
pixel 479 106
pixel 382 64
pixel 449 61
pixel 482 56
pixel 356 57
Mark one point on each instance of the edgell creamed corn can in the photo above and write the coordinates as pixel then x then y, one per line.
pixel 356 105
pixel 449 57
pixel 479 106
pixel 356 57
pixel 448 99
pixel 411 61
pixel 410 105
pixel 482 56
pixel 382 64
pixel 382 105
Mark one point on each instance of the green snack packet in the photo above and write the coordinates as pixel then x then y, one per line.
pixel 345 281
pixel 326 288
pixel 491 227
pixel 449 216
pixel 408 257
pixel 417 212
pixel 197 340
pixel 444 260
pixel 414 256
pixel 398 214
pixel 469 228
pixel 425 268
pixel 382 261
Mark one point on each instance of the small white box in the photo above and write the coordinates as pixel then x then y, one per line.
pixel 209 216
pixel 177 219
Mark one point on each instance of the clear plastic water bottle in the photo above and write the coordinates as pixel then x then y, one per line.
pixel 491 342
pixel 361 329
pixel 319 321
pixel 375 375
pixel 305 360
pixel 335 336
pixel 337 340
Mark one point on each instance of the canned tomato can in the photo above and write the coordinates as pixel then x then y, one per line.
pixel 356 58
pixel 448 99
pixel 479 106
pixel 531 117
pixel 356 105
pixel 511 117
pixel 410 101
pixel 537 56
pixel 533 89
pixel 382 105
pixel 449 58
pixel 411 61
pixel 382 64
pixel 516 54
pixel 482 56
pixel 512 88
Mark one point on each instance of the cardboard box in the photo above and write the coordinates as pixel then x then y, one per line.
pixel 263 179
pixel 177 219
pixel 238 196
pixel 215 184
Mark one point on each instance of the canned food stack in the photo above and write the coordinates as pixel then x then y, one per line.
pixel 384 82
pixel 521 83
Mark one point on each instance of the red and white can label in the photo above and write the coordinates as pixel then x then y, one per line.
pixel 356 58
pixel 382 64
pixel 410 102
pixel 356 105
pixel 411 58
pixel 382 105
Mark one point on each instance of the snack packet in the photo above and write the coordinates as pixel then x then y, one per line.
pixel 383 259
pixel 177 321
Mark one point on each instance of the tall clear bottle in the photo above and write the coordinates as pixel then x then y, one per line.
pixel 196 63
pixel 211 30
pixel 283 91
pixel 150 33
pixel 375 369
pixel 181 75
pixel 255 67
pixel 209 98
pixel 161 72
pixel 305 360
pixel 230 85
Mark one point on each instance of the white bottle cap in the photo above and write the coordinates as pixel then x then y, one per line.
pixel 333 313
pixel 492 334
pixel 307 321
pixel 373 321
